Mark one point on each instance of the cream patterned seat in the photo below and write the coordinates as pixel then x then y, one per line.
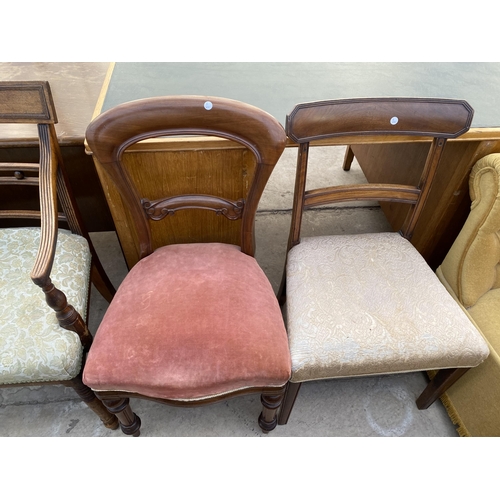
pixel 411 323
pixel 54 353
pixel 368 304
pixel 45 270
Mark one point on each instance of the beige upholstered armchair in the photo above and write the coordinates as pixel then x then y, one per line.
pixel 471 274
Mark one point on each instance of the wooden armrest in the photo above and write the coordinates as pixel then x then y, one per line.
pixel 66 314
pixel 48 208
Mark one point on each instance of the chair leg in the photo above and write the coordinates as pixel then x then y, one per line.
pixel 130 423
pixel 442 381
pixel 348 159
pixel 101 281
pixel 89 398
pixel 281 295
pixel 270 405
pixel 291 391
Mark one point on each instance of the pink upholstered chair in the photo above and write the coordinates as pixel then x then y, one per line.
pixel 368 304
pixel 192 323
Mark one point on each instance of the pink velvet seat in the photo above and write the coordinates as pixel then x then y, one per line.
pixel 196 320
pixel 189 322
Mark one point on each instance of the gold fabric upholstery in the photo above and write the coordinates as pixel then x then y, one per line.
pixel 473 263
pixel 470 272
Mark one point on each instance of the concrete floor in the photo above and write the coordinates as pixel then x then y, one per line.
pixel 371 406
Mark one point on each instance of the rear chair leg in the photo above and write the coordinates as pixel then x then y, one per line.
pixel 281 295
pixel 101 281
pixel 348 159
pixel 89 398
pixel 291 391
pixel 442 381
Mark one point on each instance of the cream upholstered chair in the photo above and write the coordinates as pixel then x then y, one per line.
pixel 193 322
pixel 470 272
pixel 41 344
pixel 368 304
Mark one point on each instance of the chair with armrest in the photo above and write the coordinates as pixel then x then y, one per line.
pixel 41 344
pixel 193 322
pixel 470 272
pixel 368 304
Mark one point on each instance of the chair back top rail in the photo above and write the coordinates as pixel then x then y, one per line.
pixel 433 117
pixel 26 102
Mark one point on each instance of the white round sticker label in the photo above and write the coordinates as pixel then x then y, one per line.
pixel 208 105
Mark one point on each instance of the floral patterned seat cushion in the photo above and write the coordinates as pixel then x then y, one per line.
pixel 369 304
pixel 33 347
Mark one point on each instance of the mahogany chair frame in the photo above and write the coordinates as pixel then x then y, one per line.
pixel 390 118
pixel 108 137
pixel 32 102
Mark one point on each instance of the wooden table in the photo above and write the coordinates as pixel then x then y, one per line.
pixel 277 87
pixel 75 88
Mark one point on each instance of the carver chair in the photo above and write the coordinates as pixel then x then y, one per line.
pixel 43 333
pixel 194 322
pixel 368 304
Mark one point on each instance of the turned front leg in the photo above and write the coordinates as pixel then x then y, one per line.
pixel 270 405
pixel 130 423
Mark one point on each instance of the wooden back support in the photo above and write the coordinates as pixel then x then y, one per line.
pixel 112 132
pixel 439 119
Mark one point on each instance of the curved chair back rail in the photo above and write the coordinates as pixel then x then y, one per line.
pixel 415 116
pixel 111 133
